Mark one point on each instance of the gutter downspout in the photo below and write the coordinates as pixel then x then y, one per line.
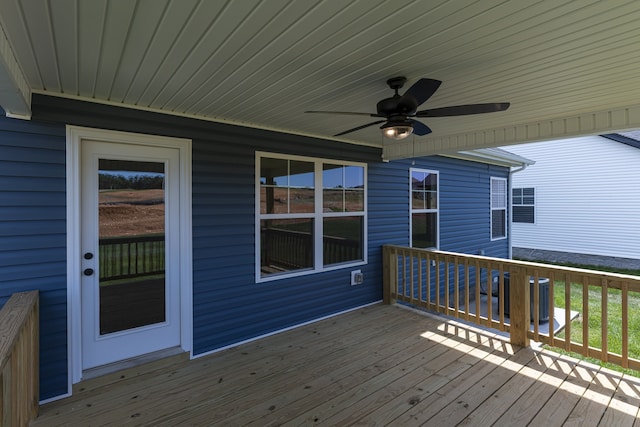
pixel 510 193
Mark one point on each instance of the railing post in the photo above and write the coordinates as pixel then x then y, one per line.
pixel 19 355
pixel 387 275
pixel 519 300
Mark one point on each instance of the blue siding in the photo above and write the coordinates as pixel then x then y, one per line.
pixel 229 306
pixel 32 234
pixel 464 204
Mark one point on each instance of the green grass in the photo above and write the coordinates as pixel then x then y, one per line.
pixel 614 318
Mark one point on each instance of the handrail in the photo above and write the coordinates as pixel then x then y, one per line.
pixel 452 284
pixel 131 256
pixel 19 352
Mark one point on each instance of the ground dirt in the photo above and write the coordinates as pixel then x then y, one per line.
pixel 131 212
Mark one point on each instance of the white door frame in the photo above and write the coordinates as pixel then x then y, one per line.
pixel 75 135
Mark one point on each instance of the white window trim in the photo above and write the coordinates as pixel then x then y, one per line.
pixel 533 205
pixel 437 210
pixel 317 215
pixel 506 208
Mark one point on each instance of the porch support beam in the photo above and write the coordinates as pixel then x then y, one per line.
pixel 15 92
pixel 595 123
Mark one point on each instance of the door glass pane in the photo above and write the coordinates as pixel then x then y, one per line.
pixel 131 213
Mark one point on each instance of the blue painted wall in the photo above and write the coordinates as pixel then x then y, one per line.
pixel 32 234
pixel 228 305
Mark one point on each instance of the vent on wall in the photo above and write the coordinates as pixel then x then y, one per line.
pixel 357 278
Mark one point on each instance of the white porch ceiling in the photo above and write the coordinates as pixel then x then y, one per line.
pixel 567 67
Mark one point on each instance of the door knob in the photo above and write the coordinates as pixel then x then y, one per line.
pixel 88 271
pixel 88 255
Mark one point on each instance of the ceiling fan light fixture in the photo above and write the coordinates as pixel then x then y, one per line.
pixel 397 130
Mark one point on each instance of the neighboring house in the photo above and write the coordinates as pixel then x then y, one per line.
pixel 578 202
pixel 262 230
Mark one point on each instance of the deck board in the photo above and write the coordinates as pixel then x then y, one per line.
pixel 380 365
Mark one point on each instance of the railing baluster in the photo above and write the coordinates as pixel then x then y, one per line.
pixel 551 306
pixel 604 295
pixel 585 316
pixel 447 290
pixel 477 268
pixel 412 282
pixel 466 289
pixel 567 313
pixel 437 284
pixel 536 304
pixel 456 289
pixel 420 299
pixel 625 324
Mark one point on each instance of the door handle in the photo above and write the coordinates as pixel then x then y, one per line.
pixel 88 255
pixel 88 272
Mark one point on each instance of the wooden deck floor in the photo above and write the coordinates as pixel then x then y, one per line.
pixel 382 365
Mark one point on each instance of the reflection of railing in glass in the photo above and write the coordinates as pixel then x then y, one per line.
pixel 127 257
pixel 138 300
pixel 285 250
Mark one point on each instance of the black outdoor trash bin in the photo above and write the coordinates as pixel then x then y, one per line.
pixel 543 289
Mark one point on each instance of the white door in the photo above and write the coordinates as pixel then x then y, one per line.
pixel 130 290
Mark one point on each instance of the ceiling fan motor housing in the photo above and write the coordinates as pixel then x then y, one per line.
pixel 397 106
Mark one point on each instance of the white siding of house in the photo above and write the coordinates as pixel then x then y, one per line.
pixel 587 197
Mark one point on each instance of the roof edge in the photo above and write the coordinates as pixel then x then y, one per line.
pixel 495 156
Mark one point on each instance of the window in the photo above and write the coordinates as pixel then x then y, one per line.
pixel 424 208
pixel 311 214
pixel 523 202
pixel 498 208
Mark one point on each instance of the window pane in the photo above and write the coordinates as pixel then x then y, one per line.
pixel 431 182
pixel 354 177
pixel 498 223
pixel 332 200
pixel 498 193
pixel 285 245
pixel 274 200
pixel 528 200
pixel 417 199
pixel 332 176
pixel 301 200
pixel 343 239
pixel 527 191
pixel 274 171
pixel 343 188
pixel 417 180
pixel 301 174
pixel 424 229
pixel 354 200
pixel 524 214
pixel 431 199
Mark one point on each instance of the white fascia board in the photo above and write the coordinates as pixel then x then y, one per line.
pixel 593 123
pixel 15 92
pixel 494 156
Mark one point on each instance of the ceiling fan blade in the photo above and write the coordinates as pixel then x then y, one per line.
pixel 420 128
pixel 422 90
pixel 463 110
pixel 348 113
pixel 359 127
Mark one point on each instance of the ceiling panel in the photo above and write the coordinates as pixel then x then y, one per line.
pixel 262 63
